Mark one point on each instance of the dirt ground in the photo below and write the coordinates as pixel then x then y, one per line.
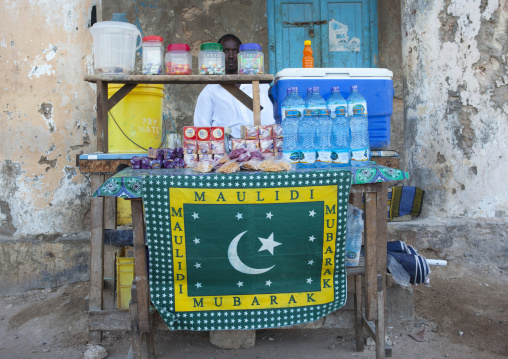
pixel 464 316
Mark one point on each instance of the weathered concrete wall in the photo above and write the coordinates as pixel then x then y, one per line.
pixel 46 115
pixel 193 22
pixel 454 55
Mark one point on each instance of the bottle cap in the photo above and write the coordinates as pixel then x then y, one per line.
pixel 176 47
pixel 153 38
pixel 290 90
pixel 307 43
pixel 250 46
pixel 309 90
pixel 315 89
pixel 211 46
pixel 354 88
pixel 335 89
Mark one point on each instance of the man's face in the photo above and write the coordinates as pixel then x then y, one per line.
pixel 231 48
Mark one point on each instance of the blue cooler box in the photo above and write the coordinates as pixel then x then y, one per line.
pixel 374 84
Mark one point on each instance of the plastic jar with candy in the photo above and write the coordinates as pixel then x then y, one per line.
pixel 153 53
pixel 178 60
pixel 212 59
pixel 250 60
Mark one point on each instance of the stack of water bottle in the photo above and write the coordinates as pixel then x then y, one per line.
pixel 319 133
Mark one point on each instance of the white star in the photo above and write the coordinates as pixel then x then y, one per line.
pixel 309 280
pixel 239 215
pixel 269 215
pixel 312 213
pixel 197 265
pixel 311 262
pixel 268 282
pixel 196 240
pixel 268 244
pixel 198 285
pixel 311 238
pixel 195 215
pixel 239 284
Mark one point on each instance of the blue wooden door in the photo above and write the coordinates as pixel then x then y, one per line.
pixel 343 32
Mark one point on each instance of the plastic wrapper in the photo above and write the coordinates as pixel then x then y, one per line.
pixel 189 160
pixel 236 153
pixel 218 146
pixel 152 153
pixel 252 165
pixel 277 143
pixel 265 131
pixel 257 155
pixel 145 163
pixel 238 143
pixel 205 166
pixel 273 165
pixel 204 147
pixel 277 131
pixel 136 162
pixel 249 132
pixel 244 157
pixel 155 164
pixel 206 157
pixel 203 133
pixel 160 154
pixel 190 147
pixel 217 133
pixel 167 163
pixel 230 166
pixel 252 144
pixel 217 157
pixel 266 145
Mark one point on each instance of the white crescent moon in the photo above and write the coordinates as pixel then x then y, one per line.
pixel 237 263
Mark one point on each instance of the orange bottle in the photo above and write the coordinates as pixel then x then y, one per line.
pixel 307 60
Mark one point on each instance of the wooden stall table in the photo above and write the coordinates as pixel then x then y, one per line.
pixel 157 186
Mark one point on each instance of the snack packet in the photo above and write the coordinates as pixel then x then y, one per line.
pixel 205 166
pixel 229 167
pixel 272 165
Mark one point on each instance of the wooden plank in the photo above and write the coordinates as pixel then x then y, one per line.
pixel 136 335
pixel 102 116
pixel 380 325
pixel 109 320
pixel 96 254
pixel 181 79
pixel 109 210
pixel 370 255
pixel 101 166
pixel 382 228
pixel 240 96
pixel 358 314
pixel 119 95
pixel 141 275
pixel 393 162
pixel 256 103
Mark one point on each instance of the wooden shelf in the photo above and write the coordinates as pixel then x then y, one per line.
pixel 181 79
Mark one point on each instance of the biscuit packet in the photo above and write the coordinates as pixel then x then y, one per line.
pixel 252 165
pixel 230 166
pixel 273 165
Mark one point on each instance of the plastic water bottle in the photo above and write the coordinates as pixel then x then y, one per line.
pixel 309 93
pixel 324 140
pixel 290 145
pixel 359 125
pixel 293 102
pixel 353 236
pixel 315 101
pixel 341 138
pixel 307 139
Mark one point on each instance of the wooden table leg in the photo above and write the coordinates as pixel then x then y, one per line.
pixel 358 313
pixel 380 321
pixel 371 269
pixel 96 255
pixel 256 103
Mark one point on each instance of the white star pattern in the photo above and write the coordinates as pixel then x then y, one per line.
pixel 239 216
pixel 198 285
pixel 269 215
pixel 197 265
pixel 268 244
pixel 311 238
pixel 312 213
pixel 196 240
pixel 311 262
pixel 309 280
pixel 239 284
pixel 195 215
pixel 269 282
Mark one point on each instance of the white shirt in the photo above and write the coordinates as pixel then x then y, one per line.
pixel 217 107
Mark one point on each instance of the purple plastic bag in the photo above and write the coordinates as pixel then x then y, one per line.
pixel 155 164
pixel 236 153
pixel 145 163
pixel 136 162
pixel 167 163
pixel 244 157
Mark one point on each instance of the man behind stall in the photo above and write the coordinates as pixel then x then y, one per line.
pixel 217 107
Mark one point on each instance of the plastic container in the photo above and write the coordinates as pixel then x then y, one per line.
pixel 354 229
pixel 293 102
pixel 137 118
pixel 114 47
pixel 307 139
pixel 212 60
pixel 324 140
pixel 307 59
pixel 153 55
pixel 124 278
pixel 178 60
pixel 251 60
pixel 359 126
pixel 375 85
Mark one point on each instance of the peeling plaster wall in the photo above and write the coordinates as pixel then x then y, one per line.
pixel 46 115
pixel 456 105
pixel 192 22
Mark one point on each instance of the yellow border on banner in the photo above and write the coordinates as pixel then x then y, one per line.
pixel 180 196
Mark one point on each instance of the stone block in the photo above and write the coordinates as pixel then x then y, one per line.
pixel 233 339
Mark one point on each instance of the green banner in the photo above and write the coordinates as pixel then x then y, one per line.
pixel 246 251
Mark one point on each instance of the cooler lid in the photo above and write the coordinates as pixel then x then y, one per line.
pixel 334 73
